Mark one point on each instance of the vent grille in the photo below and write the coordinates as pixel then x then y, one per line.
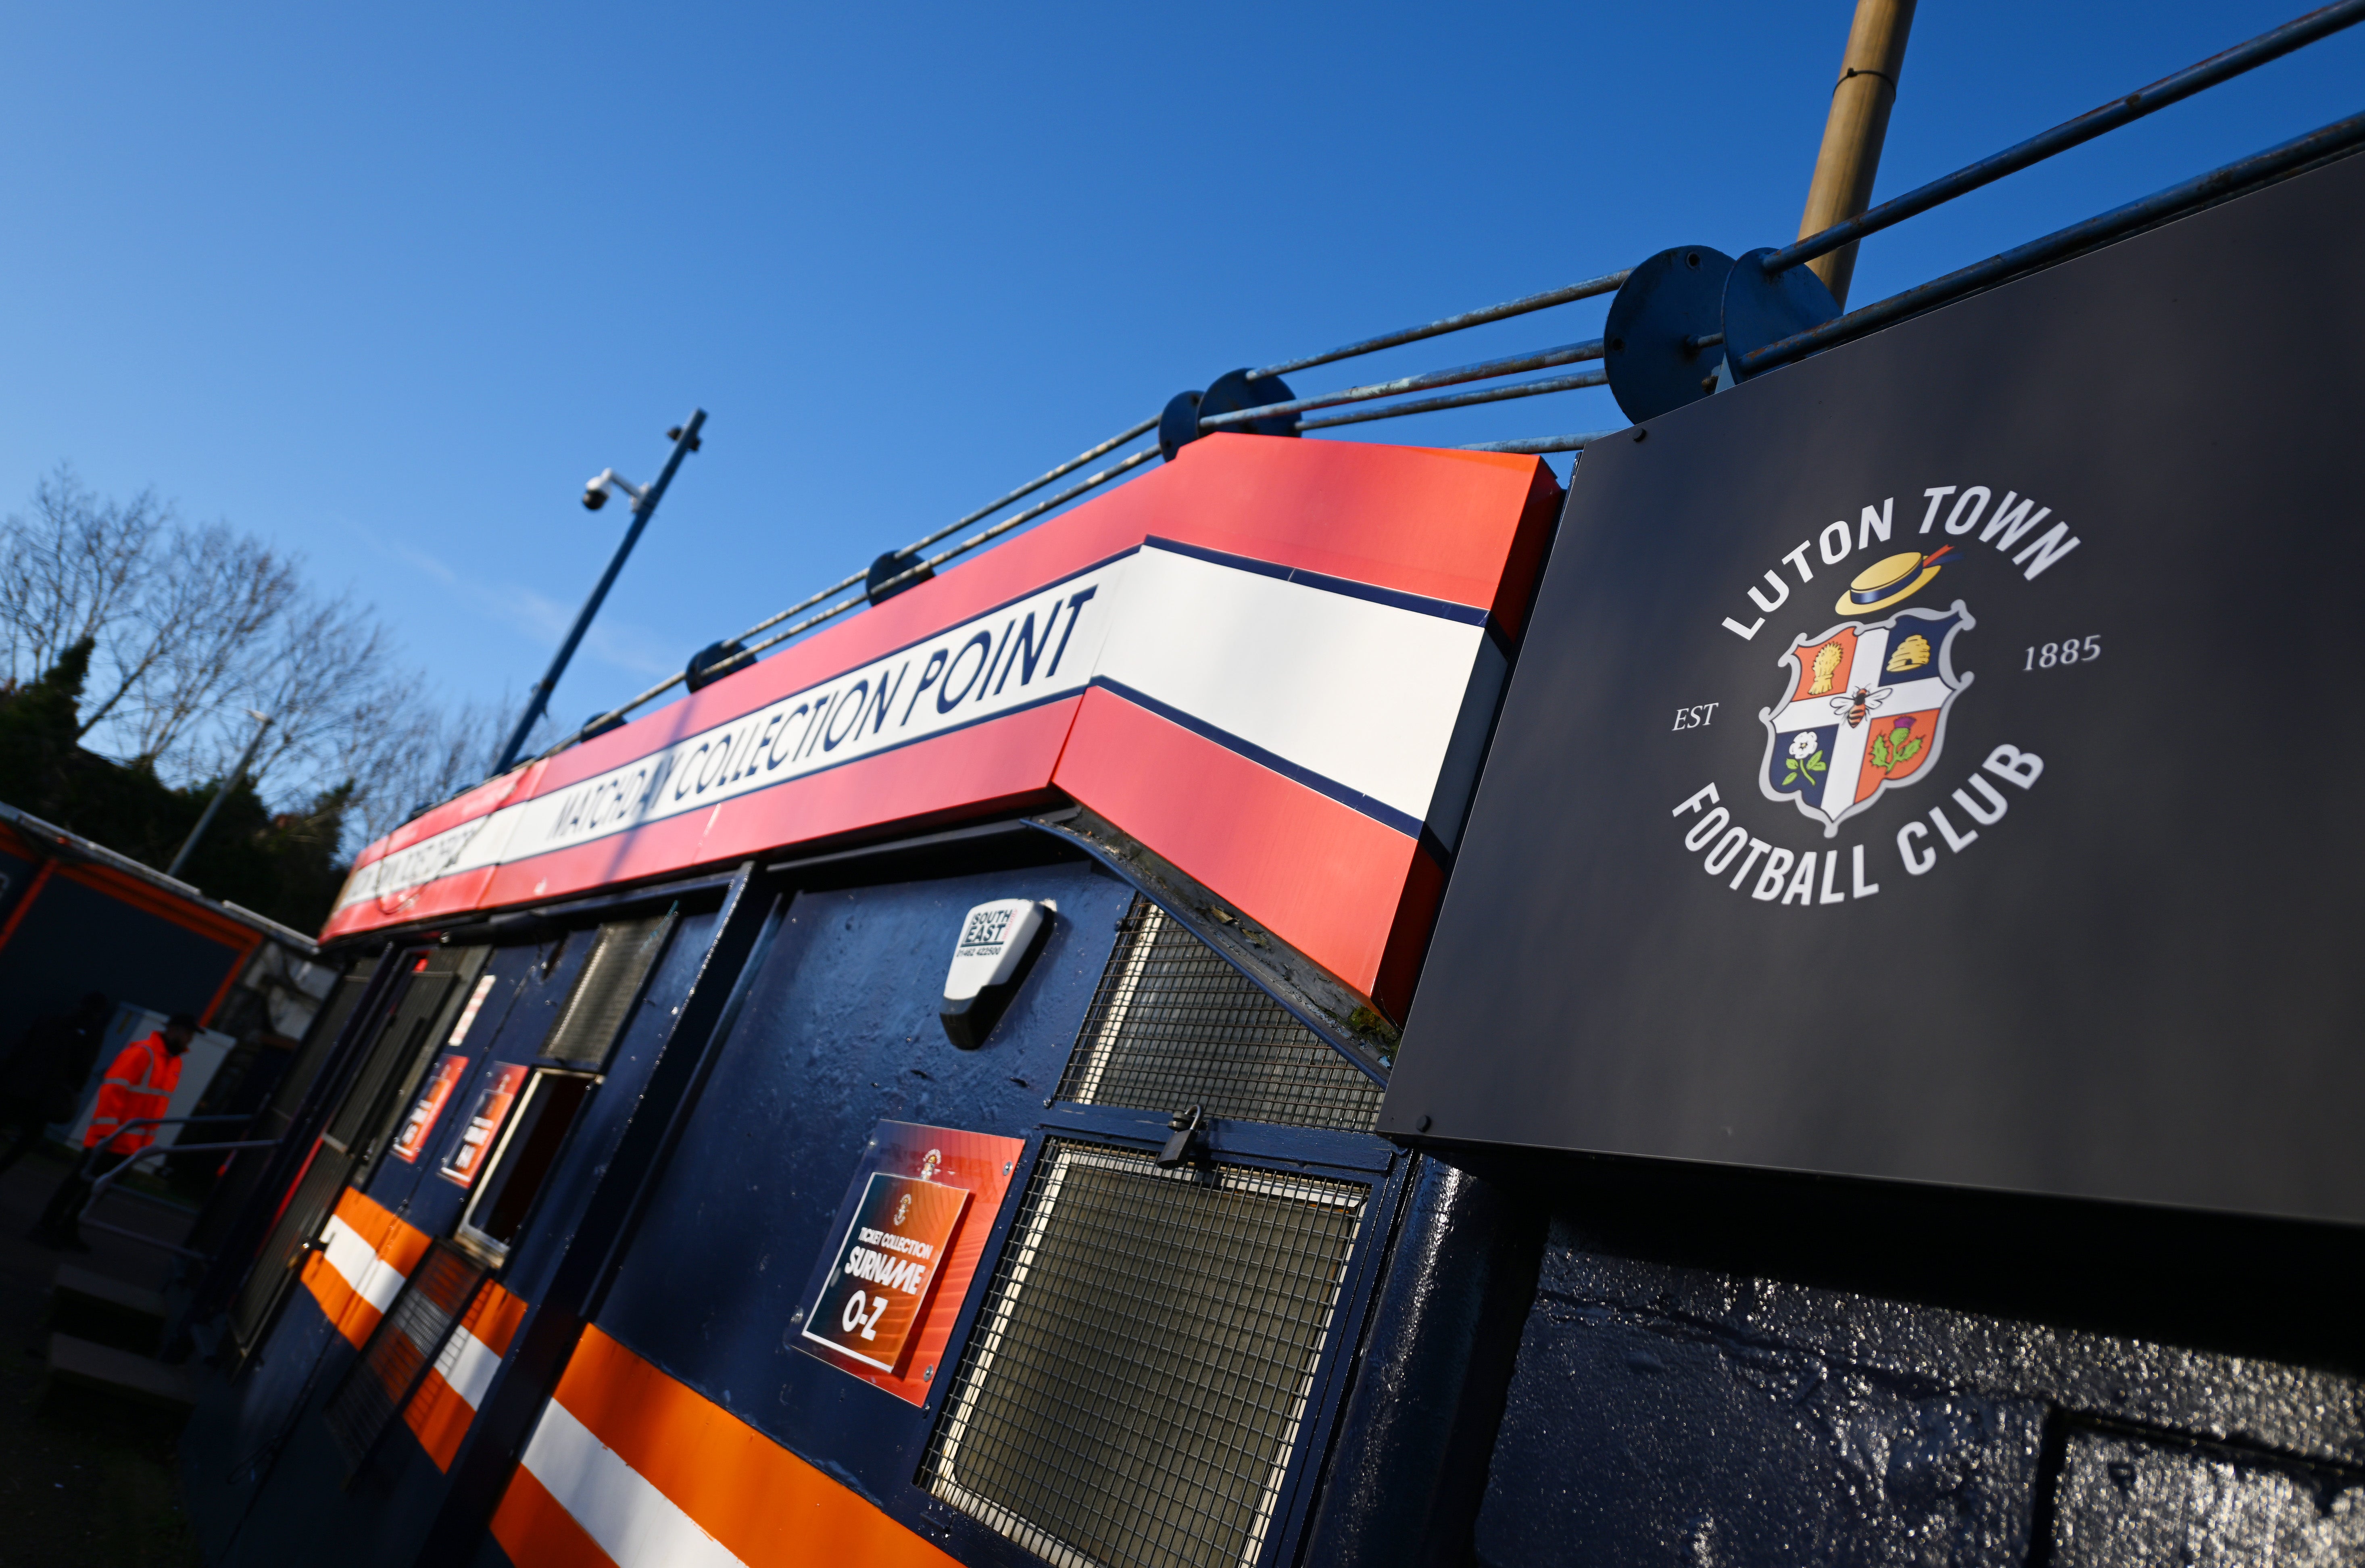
pixel 401 1350
pixel 1174 1026
pixel 1136 1381
pixel 604 992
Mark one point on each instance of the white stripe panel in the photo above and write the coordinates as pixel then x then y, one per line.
pixel 347 1253
pixel 633 1522
pixel 467 1365
pixel 373 1279
pixel 380 1284
pixel 1364 694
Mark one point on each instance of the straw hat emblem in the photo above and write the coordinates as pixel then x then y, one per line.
pixel 1889 580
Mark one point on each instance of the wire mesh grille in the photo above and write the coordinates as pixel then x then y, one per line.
pixel 604 992
pixel 404 1345
pixel 1134 1386
pixel 1174 1026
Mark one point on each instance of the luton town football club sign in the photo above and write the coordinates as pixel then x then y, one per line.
pixel 1860 705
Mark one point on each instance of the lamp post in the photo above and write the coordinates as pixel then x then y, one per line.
pixel 246 760
pixel 595 495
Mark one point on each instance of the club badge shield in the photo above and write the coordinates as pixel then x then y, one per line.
pixel 1864 710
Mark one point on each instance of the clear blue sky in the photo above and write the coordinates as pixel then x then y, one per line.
pixel 385 284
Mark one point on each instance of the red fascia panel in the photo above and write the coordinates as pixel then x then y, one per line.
pixel 518 784
pixel 1323 877
pixel 461 894
pixel 1468 528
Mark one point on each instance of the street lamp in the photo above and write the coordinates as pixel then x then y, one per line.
pixel 246 760
pixel 645 500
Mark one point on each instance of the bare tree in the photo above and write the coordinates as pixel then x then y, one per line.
pixel 429 755
pixel 75 569
pixel 212 619
pixel 195 625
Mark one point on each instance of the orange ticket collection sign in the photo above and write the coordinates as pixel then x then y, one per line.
pixel 501 1091
pixel 417 1127
pixel 904 1249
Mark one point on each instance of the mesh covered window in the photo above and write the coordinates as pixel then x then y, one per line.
pixel 1174 1025
pixel 1140 1374
pixel 401 1351
pixel 605 992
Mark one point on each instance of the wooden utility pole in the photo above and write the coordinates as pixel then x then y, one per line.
pixel 1852 137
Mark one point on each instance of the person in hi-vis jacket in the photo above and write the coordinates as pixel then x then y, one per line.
pixel 138 1086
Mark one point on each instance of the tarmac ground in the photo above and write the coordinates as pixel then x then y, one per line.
pixel 85 1480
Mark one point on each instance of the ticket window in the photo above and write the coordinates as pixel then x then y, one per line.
pixel 525 1154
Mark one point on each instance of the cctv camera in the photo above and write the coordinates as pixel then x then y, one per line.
pixel 595 494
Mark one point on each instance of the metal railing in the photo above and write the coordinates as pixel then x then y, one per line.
pixel 105 1185
pixel 2218 68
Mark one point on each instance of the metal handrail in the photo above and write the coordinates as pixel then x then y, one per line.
pixel 746 655
pixel 1538 445
pixel 2330 138
pixel 1605 284
pixel 2219 67
pixel 1485 370
pixel 100 1187
pixel 1463 399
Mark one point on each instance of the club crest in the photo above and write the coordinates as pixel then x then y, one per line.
pixel 1864 710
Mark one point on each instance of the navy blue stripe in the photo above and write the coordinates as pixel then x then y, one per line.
pixel 1353 799
pixel 1419 604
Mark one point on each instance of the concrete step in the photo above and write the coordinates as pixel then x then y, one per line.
pixel 91 1305
pixel 103 1369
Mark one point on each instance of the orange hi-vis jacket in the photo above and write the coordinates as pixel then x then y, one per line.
pixel 139 1083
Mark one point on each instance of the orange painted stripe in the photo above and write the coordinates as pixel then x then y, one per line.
pixel 439 1418
pixel 439 1414
pixel 398 1246
pixel 537 1534
pixel 494 1317
pixel 404 1246
pixel 769 1507
pixel 328 1289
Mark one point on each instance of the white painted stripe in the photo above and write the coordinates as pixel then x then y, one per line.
pixel 467 1365
pixel 1364 694
pixel 380 1284
pixel 373 1279
pixel 347 1253
pixel 634 1523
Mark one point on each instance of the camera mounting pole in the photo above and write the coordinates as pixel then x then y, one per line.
pixel 644 503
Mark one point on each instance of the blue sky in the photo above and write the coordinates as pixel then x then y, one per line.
pixel 386 285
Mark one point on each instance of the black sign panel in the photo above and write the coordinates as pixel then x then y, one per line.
pixel 1940 759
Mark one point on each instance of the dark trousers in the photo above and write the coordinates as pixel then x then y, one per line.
pixel 20 1128
pixel 59 1222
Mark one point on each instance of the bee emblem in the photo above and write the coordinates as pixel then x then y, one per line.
pixel 1856 704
